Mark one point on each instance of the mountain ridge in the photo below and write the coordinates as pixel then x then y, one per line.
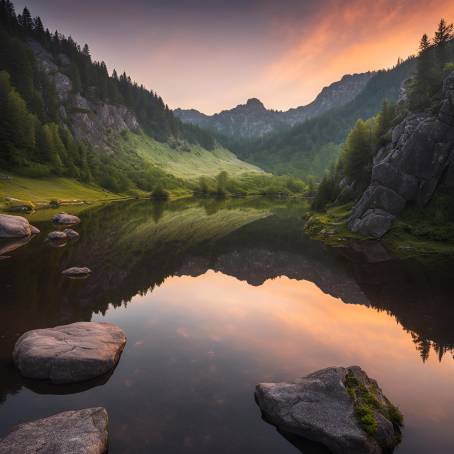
pixel 253 119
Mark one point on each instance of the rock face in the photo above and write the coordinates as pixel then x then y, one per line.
pixel 419 159
pixel 69 353
pixel 71 432
pixel 89 121
pixel 65 219
pixel 322 407
pixel 254 120
pixel 76 271
pixel 15 227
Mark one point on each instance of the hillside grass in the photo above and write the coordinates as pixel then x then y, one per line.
pixel 184 160
pixel 42 191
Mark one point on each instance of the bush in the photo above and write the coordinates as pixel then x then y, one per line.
pixel 159 193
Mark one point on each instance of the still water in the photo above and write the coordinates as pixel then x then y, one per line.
pixel 214 298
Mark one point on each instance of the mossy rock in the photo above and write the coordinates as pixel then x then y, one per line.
pixel 371 405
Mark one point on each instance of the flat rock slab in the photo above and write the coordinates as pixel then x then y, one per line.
pixel 65 219
pixel 319 407
pixel 15 227
pixel 69 353
pixel 76 271
pixel 71 432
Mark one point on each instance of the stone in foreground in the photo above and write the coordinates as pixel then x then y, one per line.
pixel 69 353
pixel 76 271
pixel 75 432
pixel 57 236
pixel 70 233
pixel 15 227
pixel 65 219
pixel 341 408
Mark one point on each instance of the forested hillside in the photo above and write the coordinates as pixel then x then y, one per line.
pixel 307 150
pixel 61 112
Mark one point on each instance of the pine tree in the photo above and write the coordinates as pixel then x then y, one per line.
pixel 25 20
pixel 444 33
pixel 424 44
pixel 38 26
pixel 86 51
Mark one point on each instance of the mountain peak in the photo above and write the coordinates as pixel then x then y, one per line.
pixel 255 103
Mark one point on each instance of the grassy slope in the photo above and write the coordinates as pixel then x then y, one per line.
pixel 187 162
pixel 43 190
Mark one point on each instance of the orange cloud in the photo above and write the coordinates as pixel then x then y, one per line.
pixel 349 37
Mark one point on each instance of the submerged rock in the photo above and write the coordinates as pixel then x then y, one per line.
pixel 76 432
pixel 76 271
pixel 70 233
pixel 66 219
pixel 15 227
pixel 57 236
pixel 69 353
pixel 341 408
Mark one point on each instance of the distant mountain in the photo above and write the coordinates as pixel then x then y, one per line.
pixel 309 148
pixel 253 119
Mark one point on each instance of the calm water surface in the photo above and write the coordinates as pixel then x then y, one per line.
pixel 214 298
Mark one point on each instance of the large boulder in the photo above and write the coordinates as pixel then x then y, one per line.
pixel 65 219
pixel 341 408
pixel 71 432
pixel 15 227
pixel 69 353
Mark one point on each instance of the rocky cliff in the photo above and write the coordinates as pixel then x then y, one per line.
pixel 415 165
pixel 91 120
pixel 253 119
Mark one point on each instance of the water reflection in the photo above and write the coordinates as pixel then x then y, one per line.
pixel 215 297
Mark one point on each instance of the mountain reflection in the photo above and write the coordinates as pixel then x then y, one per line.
pixel 133 247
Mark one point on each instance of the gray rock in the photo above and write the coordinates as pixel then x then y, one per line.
pixel 374 223
pixel 57 236
pixel 69 353
pixel 76 271
pixel 71 432
pixel 10 245
pixel 66 219
pixel 70 233
pixel 15 227
pixel 319 407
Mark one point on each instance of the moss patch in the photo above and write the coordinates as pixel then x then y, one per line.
pixel 368 404
pixel 331 226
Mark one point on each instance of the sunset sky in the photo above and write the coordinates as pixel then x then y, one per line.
pixel 215 54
